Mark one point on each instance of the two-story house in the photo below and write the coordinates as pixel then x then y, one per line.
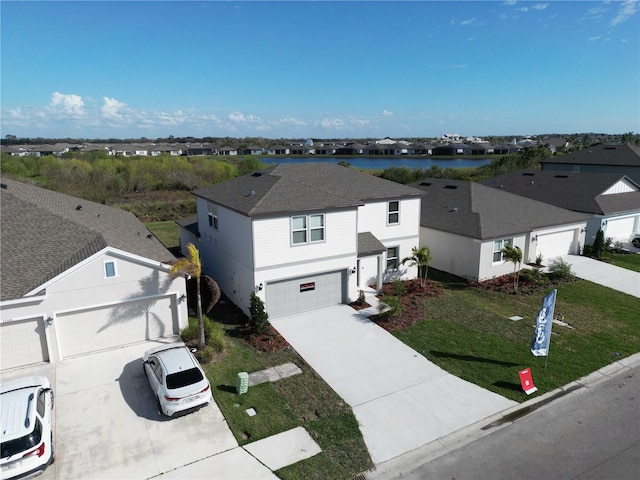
pixel 304 236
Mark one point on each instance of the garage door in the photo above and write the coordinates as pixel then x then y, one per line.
pixel 555 244
pixel 620 228
pixel 302 294
pixel 92 330
pixel 23 343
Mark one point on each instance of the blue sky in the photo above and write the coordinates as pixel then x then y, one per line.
pixel 318 69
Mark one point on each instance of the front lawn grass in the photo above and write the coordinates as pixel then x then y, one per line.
pixel 301 400
pixel 167 232
pixel 468 332
pixel 630 261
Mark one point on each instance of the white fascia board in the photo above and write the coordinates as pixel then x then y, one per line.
pixel 107 250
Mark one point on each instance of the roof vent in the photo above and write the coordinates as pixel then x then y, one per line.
pixel 528 174
pixel 451 187
pixel 609 148
pixel 256 174
pixel 454 210
pixel 425 184
pixel 3 185
pixel 561 176
pixel 79 207
pixel 251 193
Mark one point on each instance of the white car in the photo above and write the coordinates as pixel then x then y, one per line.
pixel 26 409
pixel 176 378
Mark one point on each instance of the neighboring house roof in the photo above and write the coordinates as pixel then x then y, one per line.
pixel 577 191
pixel 477 211
pixel 43 233
pixel 298 187
pixel 619 155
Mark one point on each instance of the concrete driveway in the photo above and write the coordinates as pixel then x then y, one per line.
pixel 107 425
pixel 602 273
pixel 400 399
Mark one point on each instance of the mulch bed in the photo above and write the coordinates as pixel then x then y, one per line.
pixel 526 286
pixel 271 341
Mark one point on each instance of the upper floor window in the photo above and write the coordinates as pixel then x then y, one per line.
pixel 498 245
pixel 393 258
pixel 393 212
pixel 109 269
pixel 307 228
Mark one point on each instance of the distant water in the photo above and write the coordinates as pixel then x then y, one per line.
pixel 382 163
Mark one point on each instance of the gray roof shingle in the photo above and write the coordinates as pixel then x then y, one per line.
pixel 619 155
pixel 43 233
pixel 481 212
pixel 300 187
pixel 577 191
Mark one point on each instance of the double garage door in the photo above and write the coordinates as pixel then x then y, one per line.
pixel 24 342
pixel 301 294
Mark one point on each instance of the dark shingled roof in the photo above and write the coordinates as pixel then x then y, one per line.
pixel 619 155
pixel 368 244
pixel 477 211
pixel 577 191
pixel 300 187
pixel 43 233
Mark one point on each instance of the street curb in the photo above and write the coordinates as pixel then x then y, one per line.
pixel 410 460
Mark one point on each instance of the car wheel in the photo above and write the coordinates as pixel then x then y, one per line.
pixel 636 242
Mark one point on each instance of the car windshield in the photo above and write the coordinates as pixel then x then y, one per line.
pixel 184 378
pixel 23 444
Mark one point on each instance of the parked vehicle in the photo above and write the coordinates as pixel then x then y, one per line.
pixel 176 378
pixel 635 240
pixel 26 409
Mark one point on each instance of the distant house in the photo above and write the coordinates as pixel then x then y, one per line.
pixel 466 225
pixel 253 150
pixel 227 151
pixel 612 200
pixel 278 150
pixel 621 159
pixel 204 149
pixel 79 277
pixel 304 236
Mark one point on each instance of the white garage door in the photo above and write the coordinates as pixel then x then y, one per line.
pixel 302 294
pixel 92 330
pixel 23 343
pixel 620 228
pixel 555 244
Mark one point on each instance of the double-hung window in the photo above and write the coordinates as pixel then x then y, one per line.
pixel 498 245
pixel 307 228
pixel 393 212
pixel 392 258
pixel 213 215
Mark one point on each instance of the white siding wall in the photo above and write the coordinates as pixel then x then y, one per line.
pixel 489 269
pixel 623 186
pixel 574 246
pixel 452 253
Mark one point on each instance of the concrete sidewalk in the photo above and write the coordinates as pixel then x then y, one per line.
pixel 400 399
pixel 602 273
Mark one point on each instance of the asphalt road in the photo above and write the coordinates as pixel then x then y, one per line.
pixel 591 433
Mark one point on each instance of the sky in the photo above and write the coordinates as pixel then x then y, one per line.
pixel 318 69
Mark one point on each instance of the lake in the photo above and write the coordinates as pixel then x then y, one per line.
pixel 382 163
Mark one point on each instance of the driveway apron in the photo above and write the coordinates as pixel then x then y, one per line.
pixel 400 399
pixel 602 273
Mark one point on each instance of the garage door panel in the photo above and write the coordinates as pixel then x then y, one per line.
pixel 620 228
pixel 555 244
pixel 302 294
pixel 23 343
pixel 92 330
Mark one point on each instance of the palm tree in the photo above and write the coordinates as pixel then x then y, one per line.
pixel 420 257
pixel 192 267
pixel 514 255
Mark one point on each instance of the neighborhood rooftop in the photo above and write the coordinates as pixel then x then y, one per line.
pixel 608 154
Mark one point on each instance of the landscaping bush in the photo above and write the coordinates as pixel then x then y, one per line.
pixel 598 247
pixel 560 269
pixel 211 330
pixel 205 355
pixel 259 320
pixel 534 275
pixel 396 308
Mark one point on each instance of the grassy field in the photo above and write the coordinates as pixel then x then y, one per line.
pixel 629 261
pixel 167 232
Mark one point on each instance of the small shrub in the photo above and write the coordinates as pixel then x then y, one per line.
pixel 259 321
pixel 213 333
pixel 587 251
pixel 216 339
pixel 599 245
pixel 205 355
pixel 398 287
pixel 360 301
pixel 534 275
pixel 539 259
pixel 396 308
pixel 560 269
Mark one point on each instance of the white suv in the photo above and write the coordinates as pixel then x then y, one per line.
pixel 26 406
pixel 176 378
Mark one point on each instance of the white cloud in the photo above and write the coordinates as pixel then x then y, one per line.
pixel 359 122
pixel 594 38
pixel 292 121
pixel 331 123
pixel 510 2
pixel 469 21
pixel 626 10
pixel 387 113
pixel 67 104
pixel 112 108
pixel 540 6
pixel 239 117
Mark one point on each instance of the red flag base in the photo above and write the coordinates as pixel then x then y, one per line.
pixel 527 381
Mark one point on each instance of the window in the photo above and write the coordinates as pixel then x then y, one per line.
pixel 307 228
pixel 392 258
pixel 498 245
pixel 213 215
pixel 393 212
pixel 109 269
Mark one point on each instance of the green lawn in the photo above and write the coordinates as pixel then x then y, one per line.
pixel 167 232
pixel 630 261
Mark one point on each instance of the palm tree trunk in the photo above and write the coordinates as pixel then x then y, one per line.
pixel 201 339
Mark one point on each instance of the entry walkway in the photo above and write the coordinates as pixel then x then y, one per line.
pixel 602 273
pixel 400 399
